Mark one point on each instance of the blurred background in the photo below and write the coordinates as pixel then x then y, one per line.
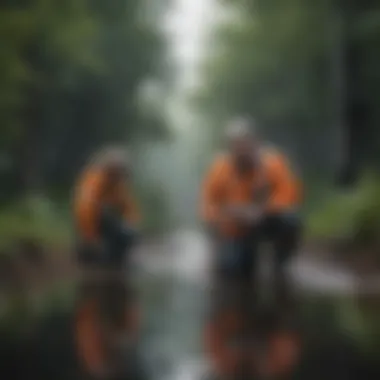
pixel 163 76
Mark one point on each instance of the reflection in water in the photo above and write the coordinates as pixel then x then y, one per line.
pixel 174 292
pixel 173 300
pixel 171 278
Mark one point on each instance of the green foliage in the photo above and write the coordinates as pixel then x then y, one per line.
pixel 279 61
pixel 34 219
pixel 354 216
pixel 70 74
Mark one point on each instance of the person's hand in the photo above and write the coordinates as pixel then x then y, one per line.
pixel 234 212
pixel 244 214
pixel 253 214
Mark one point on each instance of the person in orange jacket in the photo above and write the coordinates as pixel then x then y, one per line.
pixel 107 220
pixel 105 211
pixel 249 194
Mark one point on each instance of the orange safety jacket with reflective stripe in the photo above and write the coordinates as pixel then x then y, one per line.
pixel 224 186
pixel 92 194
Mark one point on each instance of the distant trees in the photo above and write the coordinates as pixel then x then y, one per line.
pixel 70 76
pixel 308 70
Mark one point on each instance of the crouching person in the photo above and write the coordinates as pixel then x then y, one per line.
pixel 106 221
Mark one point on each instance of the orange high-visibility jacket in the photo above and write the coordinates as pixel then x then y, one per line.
pixel 90 197
pixel 223 186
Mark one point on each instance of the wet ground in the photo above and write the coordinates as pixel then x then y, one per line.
pixel 173 284
pixel 172 278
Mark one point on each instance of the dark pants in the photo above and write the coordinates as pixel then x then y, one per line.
pixel 238 257
pixel 112 291
pixel 116 238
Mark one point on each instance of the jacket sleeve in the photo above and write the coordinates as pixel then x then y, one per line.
pixel 211 195
pixel 88 199
pixel 286 188
pixel 132 211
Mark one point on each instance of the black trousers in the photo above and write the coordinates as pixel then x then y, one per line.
pixel 114 291
pixel 237 258
pixel 117 238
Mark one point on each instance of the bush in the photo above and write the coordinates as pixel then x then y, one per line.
pixel 353 216
pixel 33 219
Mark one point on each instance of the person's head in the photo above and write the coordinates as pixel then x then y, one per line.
pixel 242 141
pixel 115 163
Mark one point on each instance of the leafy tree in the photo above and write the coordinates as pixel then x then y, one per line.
pixel 70 75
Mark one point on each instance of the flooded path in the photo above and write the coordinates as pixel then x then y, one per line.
pixel 172 277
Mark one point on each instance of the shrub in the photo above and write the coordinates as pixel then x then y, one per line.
pixel 353 216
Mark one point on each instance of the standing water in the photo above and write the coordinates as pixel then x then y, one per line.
pixel 173 287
